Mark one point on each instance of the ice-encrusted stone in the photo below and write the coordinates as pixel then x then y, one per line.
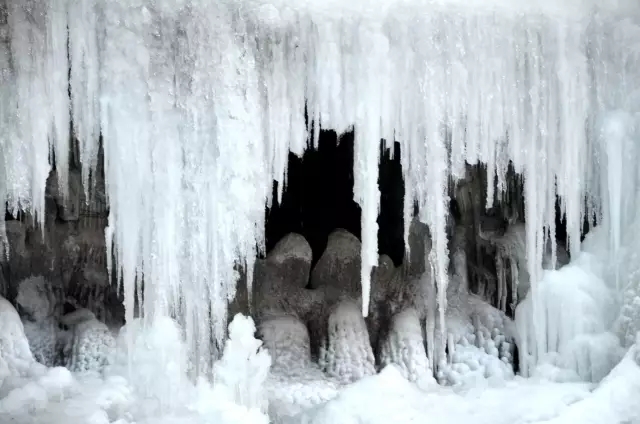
pixel 404 347
pixel 287 340
pixel 476 354
pixel 339 265
pixel 347 354
pixel 419 246
pixel 43 341
pixel 295 383
pixel 281 278
pixel 36 298
pixel 91 345
pixel 15 356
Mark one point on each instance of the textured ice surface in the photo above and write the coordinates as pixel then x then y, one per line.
pixel 346 354
pixel 43 341
pixel 295 383
pixel 15 357
pixel 244 366
pixel 404 347
pixel 91 347
pixel 573 324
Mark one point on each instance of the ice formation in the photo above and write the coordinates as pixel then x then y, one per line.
pixel 198 104
pixel 91 347
pixel 244 366
pixel 295 383
pixel 15 357
pixel 404 347
pixel 346 354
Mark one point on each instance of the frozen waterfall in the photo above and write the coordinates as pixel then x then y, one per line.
pixel 196 105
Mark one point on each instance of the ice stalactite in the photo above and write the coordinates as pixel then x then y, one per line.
pixel 36 101
pixel 84 82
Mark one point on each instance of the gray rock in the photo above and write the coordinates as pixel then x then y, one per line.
pixel 419 248
pixel 339 265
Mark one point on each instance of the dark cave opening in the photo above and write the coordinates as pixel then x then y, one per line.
pixel 318 197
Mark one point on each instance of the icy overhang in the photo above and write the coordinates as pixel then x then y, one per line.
pixel 199 103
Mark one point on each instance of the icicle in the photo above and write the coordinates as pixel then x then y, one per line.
pixel 58 89
pixel 367 154
pixel 84 82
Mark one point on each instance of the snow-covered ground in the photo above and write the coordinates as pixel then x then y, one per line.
pixel 59 397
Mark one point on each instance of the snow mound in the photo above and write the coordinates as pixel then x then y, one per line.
pixel 614 400
pixel 404 347
pixel 347 354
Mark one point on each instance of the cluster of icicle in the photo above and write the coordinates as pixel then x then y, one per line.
pixel 199 102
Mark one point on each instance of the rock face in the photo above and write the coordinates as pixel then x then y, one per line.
pixel 68 251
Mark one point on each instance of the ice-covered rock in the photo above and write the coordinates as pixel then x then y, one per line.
pixel 286 338
pixel 339 265
pixel 511 249
pixel 43 341
pixel 90 345
pixel 346 354
pixel 15 356
pixel 295 383
pixel 419 240
pixel 404 347
pixel 36 299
